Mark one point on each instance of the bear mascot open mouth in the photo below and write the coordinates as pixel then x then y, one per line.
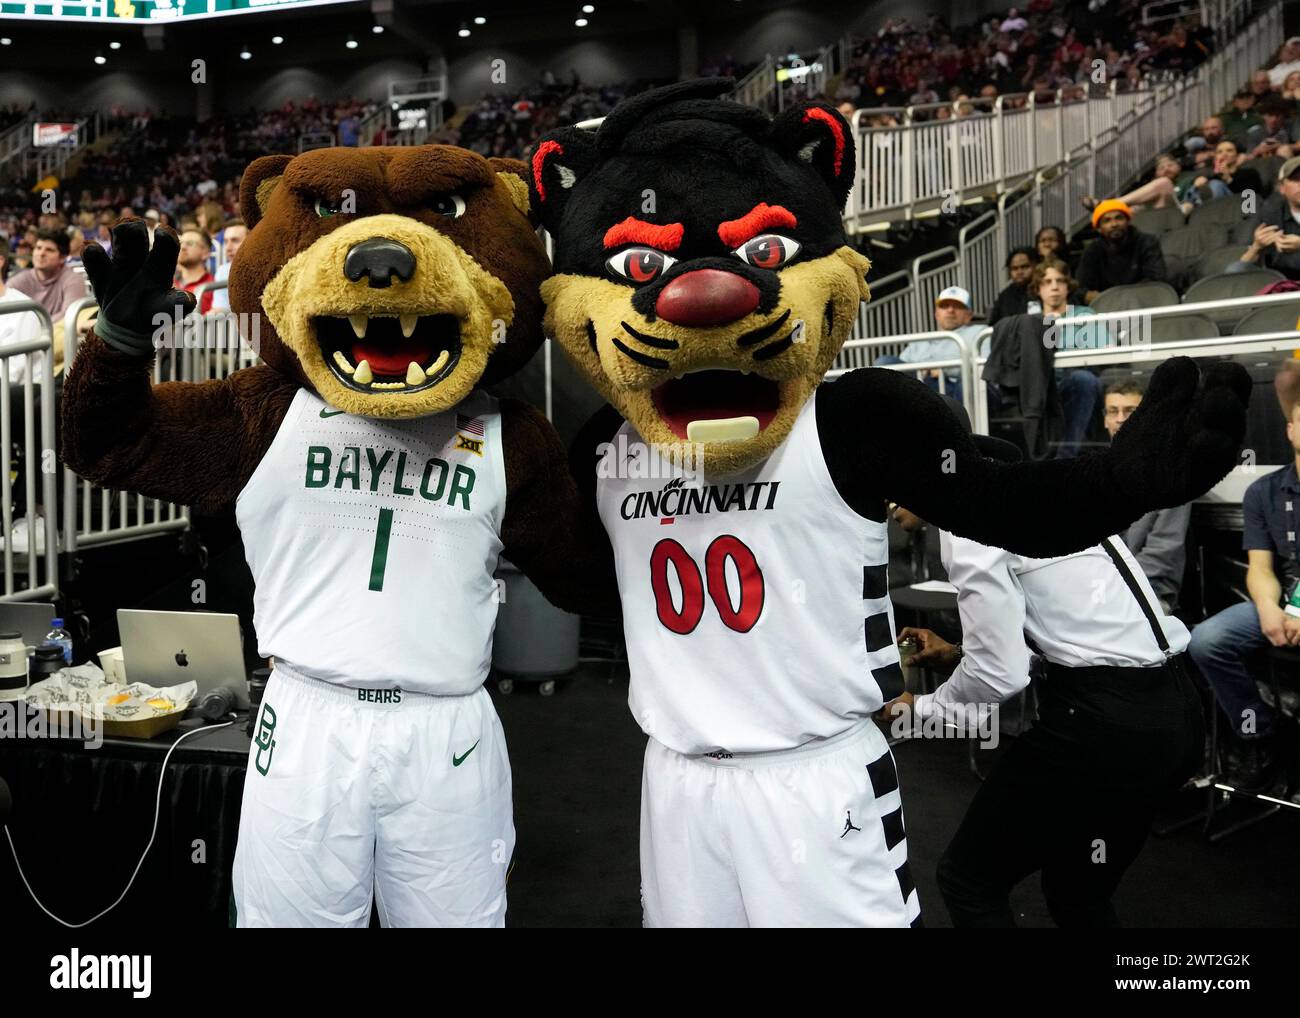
pixel 392 289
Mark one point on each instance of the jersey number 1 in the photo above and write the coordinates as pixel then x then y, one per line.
pixel 741 618
pixel 379 560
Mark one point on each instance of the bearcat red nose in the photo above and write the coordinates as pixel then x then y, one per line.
pixel 706 297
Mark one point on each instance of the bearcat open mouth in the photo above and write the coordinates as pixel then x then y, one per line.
pixel 389 353
pixel 716 395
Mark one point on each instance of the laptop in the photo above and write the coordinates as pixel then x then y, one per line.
pixel 33 621
pixel 168 648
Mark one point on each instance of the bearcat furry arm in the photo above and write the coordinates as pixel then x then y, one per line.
pixel 550 531
pixel 195 444
pixel 887 436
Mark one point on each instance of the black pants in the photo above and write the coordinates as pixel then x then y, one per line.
pixel 1075 796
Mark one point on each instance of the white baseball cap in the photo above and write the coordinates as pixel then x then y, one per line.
pixel 957 293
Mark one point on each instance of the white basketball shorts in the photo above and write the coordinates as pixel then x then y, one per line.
pixel 358 791
pixel 805 837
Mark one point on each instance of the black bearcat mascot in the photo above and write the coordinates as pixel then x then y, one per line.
pixel 703 285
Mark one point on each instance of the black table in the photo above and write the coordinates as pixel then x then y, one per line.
pixel 81 818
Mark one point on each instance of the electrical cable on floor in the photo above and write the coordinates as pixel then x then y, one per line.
pixel 157 811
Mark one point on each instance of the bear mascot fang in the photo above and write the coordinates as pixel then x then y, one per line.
pixel 704 286
pixel 375 485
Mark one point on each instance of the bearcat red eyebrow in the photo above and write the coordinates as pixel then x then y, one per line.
pixel 631 230
pixel 761 217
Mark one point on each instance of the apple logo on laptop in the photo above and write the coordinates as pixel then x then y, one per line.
pixel 181 659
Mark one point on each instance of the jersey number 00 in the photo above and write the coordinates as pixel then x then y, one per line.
pixel 741 617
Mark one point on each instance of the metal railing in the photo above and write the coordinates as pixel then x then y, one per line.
pixel 861 350
pixel 42 161
pixel 37 356
pixel 309 140
pixel 758 86
pixel 93 515
pixel 976 401
pixel 1124 331
pixel 986 147
pixel 1036 157
pixel 16 140
pixel 210 347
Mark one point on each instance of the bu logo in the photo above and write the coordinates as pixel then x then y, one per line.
pixel 265 739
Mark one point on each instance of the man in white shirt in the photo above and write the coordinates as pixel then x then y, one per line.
pixel 17 327
pixel 1119 723
pixel 1288 60
pixel 1014 22
pixel 235 232
pixel 952 313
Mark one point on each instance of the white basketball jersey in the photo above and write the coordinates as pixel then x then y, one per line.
pixel 755 606
pixel 373 545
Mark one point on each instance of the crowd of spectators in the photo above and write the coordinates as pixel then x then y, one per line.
pixel 1039 48
pixel 506 124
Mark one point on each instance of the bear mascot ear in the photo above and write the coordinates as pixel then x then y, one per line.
pixel 514 174
pixel 562 158
pixel 817 134
pixel 256 185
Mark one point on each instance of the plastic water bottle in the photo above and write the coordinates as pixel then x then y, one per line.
pixel 60 637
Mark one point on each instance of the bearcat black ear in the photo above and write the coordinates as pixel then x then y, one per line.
pixel 817 134
pixel 562 157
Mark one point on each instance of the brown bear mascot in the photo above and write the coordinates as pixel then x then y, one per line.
pixel 375 485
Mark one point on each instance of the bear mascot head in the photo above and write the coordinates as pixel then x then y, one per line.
pixel 392 281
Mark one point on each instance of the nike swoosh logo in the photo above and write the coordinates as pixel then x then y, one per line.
pixel 332 413
pixel 456 761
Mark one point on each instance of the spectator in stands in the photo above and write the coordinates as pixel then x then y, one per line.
pixel 1279 130
pixel 1291 87
pixel 1262 86
pixel 235 232
pixel 1221 643
pixel 350 130
pixel 1014 298
pixel 1288 62
pixel 1159 192
pixel 51 281
pixel 210 218
pixel 952 313
pixel 1013 22
pixel 1228 175
pixel 76 244
pixel 192 266
pixel 1078 388
pixel 1159 539
pixel 1241 123
pixel 16 327
pixel 1276 244
pixel 1051 241
pixel 1212 130
pixel 1120 255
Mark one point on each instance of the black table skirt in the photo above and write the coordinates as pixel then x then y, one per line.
pixel 81 818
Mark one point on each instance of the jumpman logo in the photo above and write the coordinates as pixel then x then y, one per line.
pixel 848 823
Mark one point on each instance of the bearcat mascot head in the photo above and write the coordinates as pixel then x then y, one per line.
pixel 703 284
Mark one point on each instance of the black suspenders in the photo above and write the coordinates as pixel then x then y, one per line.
pixel 1132 584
